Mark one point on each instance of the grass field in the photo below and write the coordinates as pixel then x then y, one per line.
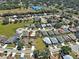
pixel 40 44
pixel 18 10
pixel 9 29
pixel 14 11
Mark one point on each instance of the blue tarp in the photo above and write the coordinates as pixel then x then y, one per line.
pixel 36 7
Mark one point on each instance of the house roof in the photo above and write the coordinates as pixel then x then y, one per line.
pixel 54 40
pixel 56 32
pixel 77 34
pixel 72 29
pixel 47 40
pixel 3 39
pixel 43 25
pixel 72 36
pixel 67 57
pixel 77 28
pixel 50 33
pixel 48 25
pixel 66 37
pixel 44 33
pixel 36 7
pixel 60 39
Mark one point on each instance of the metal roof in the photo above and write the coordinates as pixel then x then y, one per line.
pixel 67 38
pixel 50 33
pixel 44 33
pixel 54 40
pixel 47 40
pixel 60 39
pixel 72 36
pixel 67 57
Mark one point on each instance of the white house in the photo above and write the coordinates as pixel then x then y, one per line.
pixel 67 57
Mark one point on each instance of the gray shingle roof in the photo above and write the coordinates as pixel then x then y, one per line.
pixel 72 36
pixel 50 33
pixel 44 33
pixel 60 39
pixel 54 40
pixel 67 38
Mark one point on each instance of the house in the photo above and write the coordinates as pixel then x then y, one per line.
pixel 37 19
pixel 36 7
pixel 47 40
pixel 67 57
pixel 19 31
pixel 13 39
pixel 33 26
pixel 44 33
pixel 53 24
pixel 38 26
pixel 67 38
pixel 72 29
pixel 50 33
pixel 3 39
pixel 48 25
pixel 66 30
pixel 56 32
pixel 33 34
pixel 10 56
pixel 60 39
pixel 43 20
pixel 54 40
pixel 43 25
pixel 72 36
pixel 61 31
pixel 25 34
pixel 77 28
pixel 77 34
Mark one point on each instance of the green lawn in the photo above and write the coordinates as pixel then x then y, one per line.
pixel 9 30
pixel 40 44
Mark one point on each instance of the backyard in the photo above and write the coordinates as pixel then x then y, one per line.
pixel 39 44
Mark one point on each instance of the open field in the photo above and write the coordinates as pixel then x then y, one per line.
pixel 9 29
pixel 14 11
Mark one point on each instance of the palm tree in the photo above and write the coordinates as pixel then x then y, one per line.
pixel 20 45
pixel 41 54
